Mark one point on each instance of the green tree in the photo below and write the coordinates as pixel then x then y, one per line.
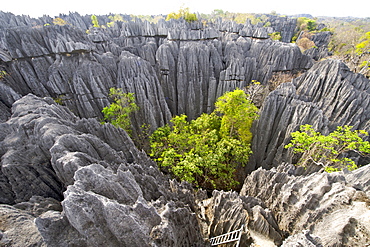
pixel 95 21
pixel 275 36
pixel 118 113
pixel 182 13
pixel 114 19
pixel 238 114
pixel 206 151
pixel 304 25
pixel 364 45
pixel 329 150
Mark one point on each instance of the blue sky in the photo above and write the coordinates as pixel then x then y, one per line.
pixel 36 8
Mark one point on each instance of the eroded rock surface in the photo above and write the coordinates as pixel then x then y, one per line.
pixel 72 181
pixel 325 204
pixel 172 67
pixel 326 96
pixel 228 211
pixel 17 228
pixel 111 193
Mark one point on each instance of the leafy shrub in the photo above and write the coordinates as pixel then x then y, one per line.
pixel 95 21
pixel 267 24
pixel 306 24
pixel 182 13
pixel 275 36
pixel 114 19
pixel 118 113
pixel 350 43
pixel 207 150
pixel 329 150
pixel 364 45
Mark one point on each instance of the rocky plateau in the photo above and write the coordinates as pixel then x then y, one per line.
pixel 68 180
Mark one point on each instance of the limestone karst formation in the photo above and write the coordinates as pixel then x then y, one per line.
pixel 68 180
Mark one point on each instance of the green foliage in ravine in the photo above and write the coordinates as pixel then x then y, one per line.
pixel 329 150
pixel 275 36
pixel 206 151
pixel 118 112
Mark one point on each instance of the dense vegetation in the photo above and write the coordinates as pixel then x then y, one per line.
pixel 329 150
pixel 206 151
pixel 351 42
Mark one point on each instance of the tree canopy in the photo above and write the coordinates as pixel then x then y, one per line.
pixel 206 151
pixel 182 13
pixel 118 112
pixel 329 150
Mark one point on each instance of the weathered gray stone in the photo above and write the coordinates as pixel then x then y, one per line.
pixel 324 203
pixel 18 228
pixel 78 69
pixel 321 41
pixel 327 96
pixel 38 205
pixel 284 25
pixel 136 75
pixel 255 31
pixel 227 211
pixel 4 56
pixel 56 230
pixel 103 205
pixel 29 135
pixel 113 191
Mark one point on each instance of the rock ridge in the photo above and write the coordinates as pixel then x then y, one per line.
pixel 169 59
pixel 106 186
pixel 324 205
pixel 326 96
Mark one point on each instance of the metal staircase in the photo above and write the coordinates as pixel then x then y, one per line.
pixel 228 237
